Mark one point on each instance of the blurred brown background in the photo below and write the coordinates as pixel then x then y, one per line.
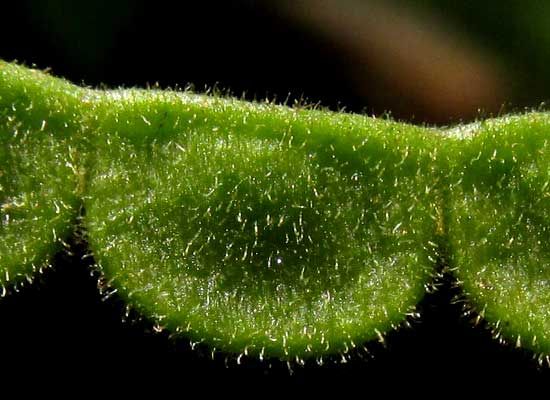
pixel 423 61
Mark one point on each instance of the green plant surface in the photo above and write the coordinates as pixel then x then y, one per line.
pixel 500 213
pixel 272 231
pixel 261 228
pixel 39 178
pixel 252 227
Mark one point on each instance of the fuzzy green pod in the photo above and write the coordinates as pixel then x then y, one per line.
pixel 39 178
pixel 258 228
pixel 271 231
pixel 499 229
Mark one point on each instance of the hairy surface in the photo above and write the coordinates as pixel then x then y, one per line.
pixel 499 230
pixel 257 227
pixel 39 177
pixel 272 231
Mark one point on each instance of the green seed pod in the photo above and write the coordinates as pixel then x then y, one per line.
pixel 38 169
pixel 261 229
pixel 499 224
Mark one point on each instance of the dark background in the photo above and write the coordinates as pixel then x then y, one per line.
pixel 433 62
